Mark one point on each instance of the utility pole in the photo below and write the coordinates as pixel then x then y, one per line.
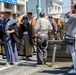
pixel 38 8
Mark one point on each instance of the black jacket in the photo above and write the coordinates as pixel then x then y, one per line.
pixel 27 27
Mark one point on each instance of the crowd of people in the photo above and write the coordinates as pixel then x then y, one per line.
pixel 19 35
pixel 29 35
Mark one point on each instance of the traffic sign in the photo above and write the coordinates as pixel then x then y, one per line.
pixel 10 1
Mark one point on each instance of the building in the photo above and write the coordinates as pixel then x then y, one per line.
pixel 55 7
pixel 17 6
pixel 48 6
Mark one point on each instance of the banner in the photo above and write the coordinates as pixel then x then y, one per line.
pixel 10 1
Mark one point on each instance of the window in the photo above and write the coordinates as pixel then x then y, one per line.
pixel 7 5
pixel 58 9
pixel 18 7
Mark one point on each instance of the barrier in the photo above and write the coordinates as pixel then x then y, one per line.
pixel 55 45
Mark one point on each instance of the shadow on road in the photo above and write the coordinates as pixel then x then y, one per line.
pixel 56 71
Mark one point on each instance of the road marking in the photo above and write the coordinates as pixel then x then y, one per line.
pixel 23 61
pixel 3 68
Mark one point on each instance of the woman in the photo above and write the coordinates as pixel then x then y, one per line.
pixel 72 32
pixel 26 39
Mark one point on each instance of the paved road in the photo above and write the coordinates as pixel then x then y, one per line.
pixel 29 67
pixel 23 67
pixel 60 69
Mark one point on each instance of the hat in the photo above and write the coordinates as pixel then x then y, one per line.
pixel 25 17
pixel 56 16
pixel 29 12
pixel 9 12
pixel 14 13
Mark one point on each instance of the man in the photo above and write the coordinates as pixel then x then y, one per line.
pixel 72 32
pixel 29 14
pixel 1 54
pixel 55 26
pixel 14 16
pixel 50 18
pixel 41 32
pixel 10 48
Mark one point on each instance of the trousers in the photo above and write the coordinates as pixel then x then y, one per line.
pixel 42 44
pixel 73 54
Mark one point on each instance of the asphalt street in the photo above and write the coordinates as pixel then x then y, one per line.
pixel 29 67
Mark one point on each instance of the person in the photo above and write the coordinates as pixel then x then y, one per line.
pixel 72 32
pixel 60 28
pixel 10 46
pixel 51 34
pixel 34 19
pixel 20 47
pixel 25 26
pixel 55 26
pixel 1 36
pixel 41 32
pixel 50 19
pixel 29 14
pixel 14 16
pixel 33 23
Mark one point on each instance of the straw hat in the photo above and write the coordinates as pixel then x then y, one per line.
pixel 14 13
pixel 2 12
pixel 56 16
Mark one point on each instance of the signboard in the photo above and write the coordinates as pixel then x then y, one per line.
pixel 1 0
pixel 10 1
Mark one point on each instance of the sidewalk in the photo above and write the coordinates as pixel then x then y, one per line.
pixel 29 67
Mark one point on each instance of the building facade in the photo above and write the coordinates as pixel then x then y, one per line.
pixel 48 6
pixel 55 7
pixel 16 6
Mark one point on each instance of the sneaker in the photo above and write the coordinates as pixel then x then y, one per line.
pixel 72 71
pixel 7 65
pixel 12 63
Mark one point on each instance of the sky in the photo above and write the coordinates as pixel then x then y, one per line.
pixel 66 5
